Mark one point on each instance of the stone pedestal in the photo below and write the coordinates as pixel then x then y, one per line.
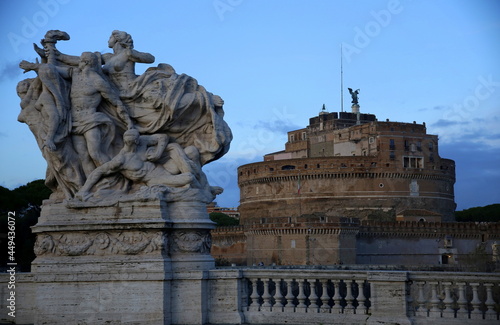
pixel 388 298
pixel 116 264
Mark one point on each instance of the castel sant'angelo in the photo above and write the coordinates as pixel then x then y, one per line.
pixel 350 189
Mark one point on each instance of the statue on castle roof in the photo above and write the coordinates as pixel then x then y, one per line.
pixel 354 95
pixel 79 109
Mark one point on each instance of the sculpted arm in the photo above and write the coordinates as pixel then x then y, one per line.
pixel 141 57
pixel 158 144
pixel 112 96
pixel 111 167
pixel 68 59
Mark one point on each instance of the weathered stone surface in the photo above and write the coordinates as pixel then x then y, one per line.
pixel 106 132
pixel 124 159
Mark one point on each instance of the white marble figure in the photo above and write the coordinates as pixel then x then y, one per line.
pixel 106 132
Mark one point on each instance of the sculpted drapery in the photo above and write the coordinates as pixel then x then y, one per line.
pixel 106 132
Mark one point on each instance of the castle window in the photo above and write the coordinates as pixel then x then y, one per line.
pixel 271 169
pixel 413 162
pixel 431 157
pixel 392 156
pixel 419 146
pixel 305 166
pixel 392 145
pixel 304 135
pixel 431 146
pixel 288 167
pixel 292 138
pixel 371 140
pixel 407 145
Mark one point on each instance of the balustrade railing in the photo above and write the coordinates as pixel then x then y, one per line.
pixel 452 295
pixel 325 296
pixel 297 292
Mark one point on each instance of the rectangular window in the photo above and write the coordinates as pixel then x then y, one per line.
pixel 431 146
pixel 419 146
pixel 392 155
pixel 392 144
pixel 292 138
pixel 413 162
pixel 304 136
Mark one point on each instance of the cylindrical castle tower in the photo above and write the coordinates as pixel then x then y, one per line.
pixel 337 167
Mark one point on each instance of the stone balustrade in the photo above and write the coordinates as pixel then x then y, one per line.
pixel 305 295
pixel 300 296
pixel 454 296
pixel 297 295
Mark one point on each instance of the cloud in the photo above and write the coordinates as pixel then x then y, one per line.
pixel 447 123
pixel 435 108
pixel 9 71
pixel 278 126
pixel 477 173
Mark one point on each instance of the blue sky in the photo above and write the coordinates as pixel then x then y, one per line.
pixel 275 63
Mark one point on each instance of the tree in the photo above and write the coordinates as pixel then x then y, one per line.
pixel 489 213
pixel 223 219
pixel 24 204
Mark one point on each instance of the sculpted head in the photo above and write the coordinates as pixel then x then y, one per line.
pixel 89 59
pixel 23 86
pixel 122 38
pixel 131 136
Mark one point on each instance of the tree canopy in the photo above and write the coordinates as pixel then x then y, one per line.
pixel 489 213
pixel 223 219
pixel 24 204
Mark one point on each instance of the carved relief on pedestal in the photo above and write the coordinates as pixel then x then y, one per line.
pixel 191 241
pixel 101 243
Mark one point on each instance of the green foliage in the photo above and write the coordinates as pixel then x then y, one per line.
pixel 25 203
pixel 223 220
pixel 489 213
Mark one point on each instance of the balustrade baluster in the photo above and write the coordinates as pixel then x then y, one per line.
pixel 313 297
pixel 463 310
pixel 448 311
pixel 337 308
pixel 278 297
pixel 434 311
pixel 361 299
pixel 325 298
pixel 266 296
pixel 490 303
pixel 289 305
pixel 254 305
pixel 422 308
pixel 301 297
pixel 475 313
pixel 349 298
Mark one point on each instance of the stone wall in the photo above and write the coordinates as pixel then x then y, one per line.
pixel 305 295
pixel 318 240
pixel 358 187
